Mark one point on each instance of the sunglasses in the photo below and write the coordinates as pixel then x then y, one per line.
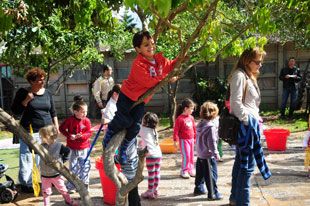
pixel 257 62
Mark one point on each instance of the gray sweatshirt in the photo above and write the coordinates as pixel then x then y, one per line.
pixel 206 140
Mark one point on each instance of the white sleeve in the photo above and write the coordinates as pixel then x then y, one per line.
pixel 237 85
pixel 97 89
pixel 109 112
pixel 306 139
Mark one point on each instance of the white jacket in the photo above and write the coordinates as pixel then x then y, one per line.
pixel 252 98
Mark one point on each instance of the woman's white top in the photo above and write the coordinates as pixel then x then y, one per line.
pixel 252 97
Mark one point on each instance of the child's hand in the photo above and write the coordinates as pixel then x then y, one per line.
pixel 173 79
pixel 175 143
pixel 73 137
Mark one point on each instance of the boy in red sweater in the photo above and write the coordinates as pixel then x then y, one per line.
pixel 146 71
pixel 76 129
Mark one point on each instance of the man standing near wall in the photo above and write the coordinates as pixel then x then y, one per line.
pixel 290 76
pixel 103 85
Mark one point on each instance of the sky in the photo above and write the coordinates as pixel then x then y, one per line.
pixel 133 14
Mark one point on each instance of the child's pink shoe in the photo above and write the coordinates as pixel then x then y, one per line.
pixel 147 195
pixel 72 203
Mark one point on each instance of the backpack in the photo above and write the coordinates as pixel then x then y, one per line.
pixel 229 124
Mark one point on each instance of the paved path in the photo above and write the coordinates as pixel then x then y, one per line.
pixel 287 186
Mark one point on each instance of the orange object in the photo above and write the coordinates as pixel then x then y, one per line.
pixel 108 187
pixel 167 146
pixel 276 139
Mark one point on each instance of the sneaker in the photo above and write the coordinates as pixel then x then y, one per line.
pixel 217 196
pixel 72 191
pixel 156 194
pixel 185 176
pixel 192 174
pixel 147 195
pixel 72 203
pixel 197 193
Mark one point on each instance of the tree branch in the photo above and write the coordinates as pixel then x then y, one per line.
pixel 18 130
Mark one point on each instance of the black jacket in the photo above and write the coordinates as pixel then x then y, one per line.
pixel 290 82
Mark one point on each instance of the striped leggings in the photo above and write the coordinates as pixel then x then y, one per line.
pixel 153 167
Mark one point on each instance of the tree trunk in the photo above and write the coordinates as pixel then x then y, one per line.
pixel 173 103
pixel 122 185
pixel 19 131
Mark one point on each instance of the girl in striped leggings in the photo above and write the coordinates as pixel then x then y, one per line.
pixel 154 155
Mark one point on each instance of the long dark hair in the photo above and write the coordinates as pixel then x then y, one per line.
pixel 116 88
pixel 187 102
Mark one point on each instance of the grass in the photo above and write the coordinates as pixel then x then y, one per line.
pixel 11 157
pixel 5 135
pixel 298 123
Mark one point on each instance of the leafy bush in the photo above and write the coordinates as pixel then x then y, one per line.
pixel 208 89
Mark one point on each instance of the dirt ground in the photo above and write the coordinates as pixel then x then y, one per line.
pixel 287 186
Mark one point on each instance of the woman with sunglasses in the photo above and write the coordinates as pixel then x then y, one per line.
pixel 244 104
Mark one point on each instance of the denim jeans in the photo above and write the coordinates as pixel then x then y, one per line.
pixel 206 173
pixel 240 184
pixel 125 118
pixel 25 162
pixel 286 92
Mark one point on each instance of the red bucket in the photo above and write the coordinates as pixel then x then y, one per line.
pixel 276 139
pixel 108 187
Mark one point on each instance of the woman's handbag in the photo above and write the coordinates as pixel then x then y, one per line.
pixel 229 124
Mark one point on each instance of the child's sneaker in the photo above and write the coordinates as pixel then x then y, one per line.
pixel 185 176
pixel 147 195
pixel 192 174
pixel 156 194
pixel 73 203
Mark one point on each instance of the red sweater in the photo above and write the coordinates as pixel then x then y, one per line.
pixel 72 125
pixel 145 75
pixel 184 127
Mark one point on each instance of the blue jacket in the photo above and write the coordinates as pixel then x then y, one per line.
pixel 249 139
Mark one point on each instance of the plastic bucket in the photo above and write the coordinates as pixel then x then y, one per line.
pixel 108 187
pixel 276 139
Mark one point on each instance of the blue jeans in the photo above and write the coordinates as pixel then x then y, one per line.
pixel 25 162
pixel 125 118
pixel 240 184
pixel 286 92
pixel 206 173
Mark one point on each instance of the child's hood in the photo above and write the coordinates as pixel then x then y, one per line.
pixel 204 126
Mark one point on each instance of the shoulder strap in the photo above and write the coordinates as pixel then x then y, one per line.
pixel 244 90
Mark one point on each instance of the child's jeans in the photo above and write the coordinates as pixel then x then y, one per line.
pixel 206 173
pixel 125 118
pixel 58 182
pixel 187 151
